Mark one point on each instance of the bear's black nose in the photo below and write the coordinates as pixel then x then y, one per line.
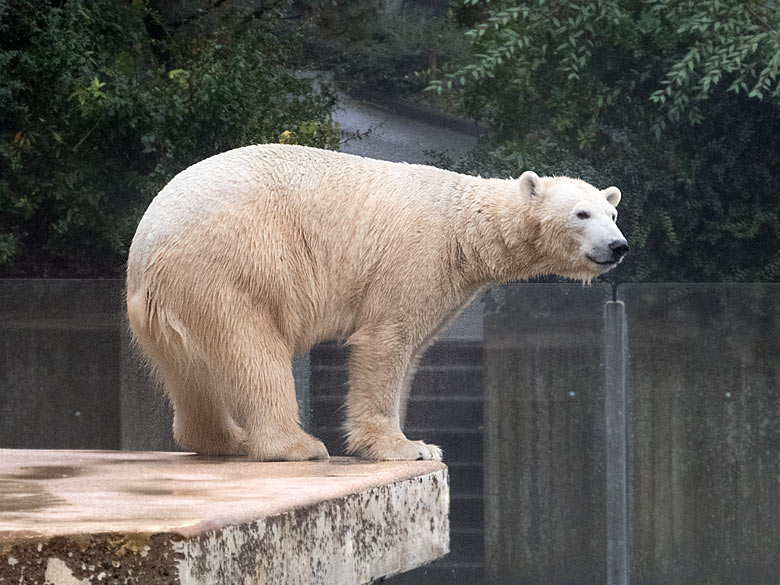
pixel 619 248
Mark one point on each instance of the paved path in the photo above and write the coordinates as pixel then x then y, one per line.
pixel 399 134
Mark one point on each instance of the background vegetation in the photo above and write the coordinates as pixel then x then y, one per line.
pixel 103 102
pixel 675 101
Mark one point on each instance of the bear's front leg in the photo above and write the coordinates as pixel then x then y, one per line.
pixel 378 364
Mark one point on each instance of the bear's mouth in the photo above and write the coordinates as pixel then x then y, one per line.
pixel 605 263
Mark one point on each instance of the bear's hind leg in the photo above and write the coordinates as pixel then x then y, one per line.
pixel 378 365
pixel 201 422
pixel 258 383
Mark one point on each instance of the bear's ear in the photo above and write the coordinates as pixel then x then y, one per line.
pixel 530 184
pixel 613 195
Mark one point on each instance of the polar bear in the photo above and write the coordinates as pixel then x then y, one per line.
pixel 256 254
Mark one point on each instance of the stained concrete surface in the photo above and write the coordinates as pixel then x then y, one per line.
pixel 106 516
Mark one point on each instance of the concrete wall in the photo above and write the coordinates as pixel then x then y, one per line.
pixel 704 433
pixel 60 363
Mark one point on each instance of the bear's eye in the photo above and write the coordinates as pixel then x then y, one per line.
pixel 583 215
pixel 614 218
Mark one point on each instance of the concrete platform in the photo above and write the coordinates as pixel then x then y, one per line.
pixel 100 517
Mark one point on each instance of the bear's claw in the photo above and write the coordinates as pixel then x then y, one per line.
pixel 401 449
pixel 427 451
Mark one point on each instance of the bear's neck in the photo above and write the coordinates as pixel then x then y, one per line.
pixel 495 236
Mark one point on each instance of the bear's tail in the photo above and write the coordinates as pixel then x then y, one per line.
pixel 159 334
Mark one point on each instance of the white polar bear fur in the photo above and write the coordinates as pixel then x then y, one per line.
pixel 256 254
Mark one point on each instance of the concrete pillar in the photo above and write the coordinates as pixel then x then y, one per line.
pixel 616 436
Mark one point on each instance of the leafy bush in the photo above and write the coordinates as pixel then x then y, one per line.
pixel 102 105
pixel 675 101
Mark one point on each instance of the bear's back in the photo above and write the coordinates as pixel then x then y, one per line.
pixel 262 181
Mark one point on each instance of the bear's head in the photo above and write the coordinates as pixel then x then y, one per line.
pixel 574 224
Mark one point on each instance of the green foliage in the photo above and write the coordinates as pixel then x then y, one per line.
pixel 102 105
pixel 675 101
pixel 736 44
